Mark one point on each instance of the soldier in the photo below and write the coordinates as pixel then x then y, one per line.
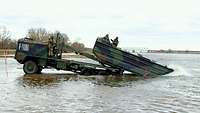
pixel 107 36
pixel 51 45
pixel 115 42
pixel 106 39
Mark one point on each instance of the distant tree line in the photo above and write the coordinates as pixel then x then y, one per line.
pixel 5 39
pixel 37 34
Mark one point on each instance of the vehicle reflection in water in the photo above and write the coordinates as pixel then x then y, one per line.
pixel 40 80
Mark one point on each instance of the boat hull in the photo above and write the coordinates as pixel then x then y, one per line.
pixel 107 54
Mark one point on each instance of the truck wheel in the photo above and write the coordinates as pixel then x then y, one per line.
pixel 85 72
pixel 30 67
pixel 119 72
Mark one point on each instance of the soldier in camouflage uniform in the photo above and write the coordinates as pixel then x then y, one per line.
pixel 51 45
pixel 115 42
pixel 106 39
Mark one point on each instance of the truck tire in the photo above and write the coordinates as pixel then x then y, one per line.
pixel 30 67
pixel 86 72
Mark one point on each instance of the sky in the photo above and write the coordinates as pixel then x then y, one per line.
pixel 152 24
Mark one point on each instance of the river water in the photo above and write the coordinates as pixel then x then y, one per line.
pixel 64 92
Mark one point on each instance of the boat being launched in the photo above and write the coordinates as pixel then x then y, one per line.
pixel 110 55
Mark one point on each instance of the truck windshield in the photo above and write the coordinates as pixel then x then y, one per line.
pixel 23 47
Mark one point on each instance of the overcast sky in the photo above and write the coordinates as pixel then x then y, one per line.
pixel 153 24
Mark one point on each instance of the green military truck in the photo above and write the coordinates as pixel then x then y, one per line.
pixel 36 56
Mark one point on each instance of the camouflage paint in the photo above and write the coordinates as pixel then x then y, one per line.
pixel 117 58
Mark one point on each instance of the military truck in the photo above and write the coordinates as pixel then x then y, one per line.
pixel 36 56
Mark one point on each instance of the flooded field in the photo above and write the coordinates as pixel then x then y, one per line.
pixel 64 92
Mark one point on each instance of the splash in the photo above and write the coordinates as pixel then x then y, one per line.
pixel 179 71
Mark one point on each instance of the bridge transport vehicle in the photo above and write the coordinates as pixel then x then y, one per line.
pixel 35 56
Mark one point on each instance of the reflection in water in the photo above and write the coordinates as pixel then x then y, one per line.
pixel 118 81
pixel 39 80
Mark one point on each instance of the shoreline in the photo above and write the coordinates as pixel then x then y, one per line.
pixel 73 55
pixel 174 53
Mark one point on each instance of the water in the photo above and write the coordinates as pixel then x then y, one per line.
pixel 63 92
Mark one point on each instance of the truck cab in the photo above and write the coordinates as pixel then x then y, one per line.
pixel 32 54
